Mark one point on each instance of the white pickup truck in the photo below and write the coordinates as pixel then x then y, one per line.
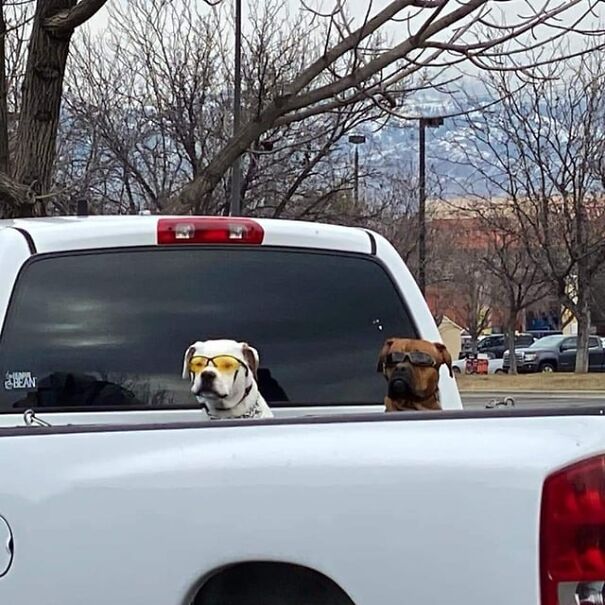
pixel 117 490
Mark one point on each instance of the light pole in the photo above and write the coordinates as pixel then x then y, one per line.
pixel 356 139
pixel 423 123
pixel 236 174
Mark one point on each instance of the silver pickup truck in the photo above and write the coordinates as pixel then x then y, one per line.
pixel 115 488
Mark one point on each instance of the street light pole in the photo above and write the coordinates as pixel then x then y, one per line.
pixel 356 194
pixel 422 206
pixel 236 175
pixel 422 125
pixel 356 139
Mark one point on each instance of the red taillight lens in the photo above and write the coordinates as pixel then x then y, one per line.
pixel 572 540
pixel 209 230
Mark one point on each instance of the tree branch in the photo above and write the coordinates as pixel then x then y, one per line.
pixel 348 44
pixel 65 21
pixel 383 61
pixel 14 194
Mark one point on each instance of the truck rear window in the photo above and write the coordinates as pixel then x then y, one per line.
pixel 110 328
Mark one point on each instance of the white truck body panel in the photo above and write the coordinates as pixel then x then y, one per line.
pixel 58 234
pixel 145 506
pixel 391 511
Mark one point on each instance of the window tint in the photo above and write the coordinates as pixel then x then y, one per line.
pixel 111 328
pixel 593 341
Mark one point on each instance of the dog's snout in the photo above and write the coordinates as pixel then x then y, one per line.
pixel 208 377
pixel 398 388
pixel 399 382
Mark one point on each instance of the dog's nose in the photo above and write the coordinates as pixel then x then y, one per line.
pixel 208 379
pixel 399 383
pixel 398 388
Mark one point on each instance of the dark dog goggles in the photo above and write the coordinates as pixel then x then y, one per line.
pixel 416 358
pixel 223 363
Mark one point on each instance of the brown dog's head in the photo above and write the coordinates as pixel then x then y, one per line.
pixel 411 368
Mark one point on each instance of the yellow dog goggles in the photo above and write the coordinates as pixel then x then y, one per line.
pixel 223 363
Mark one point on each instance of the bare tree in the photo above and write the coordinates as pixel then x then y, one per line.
pixel 353 64
pixel 151 143
pixel 475 294
pixel 517 280
pixel 29 170
pixel 145 99
pixel 350 69
pixel 397 202
pixel 541 149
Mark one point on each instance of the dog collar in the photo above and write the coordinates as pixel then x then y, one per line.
pixel 246 393
pixel 255 412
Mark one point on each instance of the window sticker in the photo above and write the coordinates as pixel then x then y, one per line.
pixel 14 381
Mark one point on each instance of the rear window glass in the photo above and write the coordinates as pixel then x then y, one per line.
pixel 111 328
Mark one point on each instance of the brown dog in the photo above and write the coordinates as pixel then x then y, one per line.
pixel 411 368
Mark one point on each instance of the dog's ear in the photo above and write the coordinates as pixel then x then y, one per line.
pixel 251 356
pixel 188 355
pixel 383 354
pixel 446 358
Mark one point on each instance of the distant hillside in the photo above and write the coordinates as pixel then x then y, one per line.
pixel 394 148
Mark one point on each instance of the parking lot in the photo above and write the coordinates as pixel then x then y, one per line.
pixel 535 399
pixel 560 389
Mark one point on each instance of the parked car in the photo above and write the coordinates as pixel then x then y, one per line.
pixel 494 345
pixel 557 354
pixel 466 345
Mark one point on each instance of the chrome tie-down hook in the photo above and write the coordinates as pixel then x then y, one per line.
pixel 507 402
pixel 30 419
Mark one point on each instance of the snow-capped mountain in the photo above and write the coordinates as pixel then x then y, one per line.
pixel 457 155
pixel 451 149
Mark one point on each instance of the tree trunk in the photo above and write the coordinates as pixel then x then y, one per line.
pixel 3 96
pixel 510 342
pixel 41 103
pixel 474 343
pixel 583 319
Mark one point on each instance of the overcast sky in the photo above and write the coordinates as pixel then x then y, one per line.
pixel 358 8
pixel 508 9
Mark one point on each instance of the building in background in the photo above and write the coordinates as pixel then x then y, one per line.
pixel 451 334
pixel 459 288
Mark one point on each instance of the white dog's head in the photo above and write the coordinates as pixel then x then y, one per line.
pixel 222 372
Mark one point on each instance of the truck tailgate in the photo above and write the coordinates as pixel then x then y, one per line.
pixel 393 512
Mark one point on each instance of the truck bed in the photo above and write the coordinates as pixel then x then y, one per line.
pixel 390 508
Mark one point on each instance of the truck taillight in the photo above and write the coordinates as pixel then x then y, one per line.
pixel 572 535
pixel 209 230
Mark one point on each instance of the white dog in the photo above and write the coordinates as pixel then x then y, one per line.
pixel 223 379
